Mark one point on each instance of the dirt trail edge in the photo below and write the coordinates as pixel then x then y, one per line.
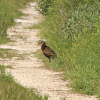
pixel 28 71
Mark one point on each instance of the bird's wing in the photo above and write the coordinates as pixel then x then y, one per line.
pixel 48 51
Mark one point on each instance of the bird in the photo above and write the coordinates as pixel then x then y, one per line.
pixel 46 50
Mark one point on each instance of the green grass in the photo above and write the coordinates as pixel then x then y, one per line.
pixel 8 53
pixel 84 65
pixel 35 26
pixel 4 40
pixel 73 32
pixel 8 12
pixel 10 90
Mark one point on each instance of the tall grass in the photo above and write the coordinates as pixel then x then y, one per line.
pixel 72 29
pixel 9 90
pixel 8 12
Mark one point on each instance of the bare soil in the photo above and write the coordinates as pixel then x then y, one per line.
pixel 29 71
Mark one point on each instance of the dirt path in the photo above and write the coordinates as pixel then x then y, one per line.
pixel 28 71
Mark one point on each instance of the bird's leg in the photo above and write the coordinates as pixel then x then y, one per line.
pixel 49 60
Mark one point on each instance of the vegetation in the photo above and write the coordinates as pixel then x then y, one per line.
pixel 8 12
pixel 72 29
pixel 9 90
pixel 9 53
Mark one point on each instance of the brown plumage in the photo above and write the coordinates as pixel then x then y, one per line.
pixel 47 51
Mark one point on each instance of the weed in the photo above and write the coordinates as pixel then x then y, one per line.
pixel 4 40
pixel 10 90
pixel 35 26
pixel 8 53
pixel 8 12
pixel 72 29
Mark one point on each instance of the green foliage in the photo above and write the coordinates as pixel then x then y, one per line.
pixel 8 12
pixel 84 19
pixel 84 64
pixel 9 90
pixel 4 40
pixel 72 30
pixel 44 5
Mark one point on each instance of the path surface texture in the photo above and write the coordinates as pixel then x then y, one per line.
pixel 28 71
